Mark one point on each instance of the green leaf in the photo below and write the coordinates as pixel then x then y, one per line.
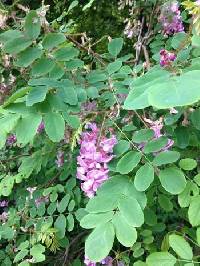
pixel 63 203
pixel 161 259
pixel 17 45
pixel 185 197
pixel 197 179
pixel 155 145
pixel 140 263
pixel 100 242
pixel 126 234
pixel 165 203
pixel 114 67
pixel 52 40
pixel 3 137
pixel 26 128
pixel 28 56
pixel 66 53
pixel 102 203
pixel 143 135
pixel 74 64
pixel 115 46
pixel 16 95
pixel 88 5
pixel 138 96
pixel 181 247
pixel 128 162
pixel 121 185
pixel 60 225
pixel 93 220
pixel 195 41
pixel 144 177
pixel 32 25
pixel 131 210
pixel 173 180
pixel 195 118
pixel 9 35
pixel 37 252
pixel 57 72
pixel 68 94
pixel 121 147
pixel 185 91
pixel 92 92
pixel 198 235
pixel 70 222
pixel 54 126
pixel 72 5
pixel 188 164
pixel 42 66
pixel 194 211
pixel 21 255
pixel 179 39
pixel 72 120
pixel 36 95
pixel 166 157
pixel 8 122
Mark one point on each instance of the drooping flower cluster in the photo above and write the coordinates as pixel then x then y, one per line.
pixel 166 58
pixel 157 126
pixel 11 139
pixel 170 18
pixel 94 156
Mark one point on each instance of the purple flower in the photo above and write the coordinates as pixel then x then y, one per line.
pixel 60 159
pixel 198 2
pixel 94 156
pixel 170 18
pixel 4 217
pixel 88 262
pixel 3 203
pixel 40 128
pixel 41 199
pixel 157 126
pixel 89 106
pixel 166 58
pixel 11 140
pixel 108 261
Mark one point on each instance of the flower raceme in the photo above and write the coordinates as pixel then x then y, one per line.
pixel 166 58
pixel 95 153
pixel 170 18
pixel 157 126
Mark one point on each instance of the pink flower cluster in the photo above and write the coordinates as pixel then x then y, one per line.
pixel 170 18
pixel 166 58
pixel 157 126
pixel 94 156
pixel 11 139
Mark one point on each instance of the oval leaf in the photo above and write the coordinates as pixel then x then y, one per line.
pixel 100 242
pixel 173 180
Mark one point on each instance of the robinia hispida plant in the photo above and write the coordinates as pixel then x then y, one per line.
pixel 99 158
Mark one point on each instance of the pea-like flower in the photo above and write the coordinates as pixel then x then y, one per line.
pixel 95 154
